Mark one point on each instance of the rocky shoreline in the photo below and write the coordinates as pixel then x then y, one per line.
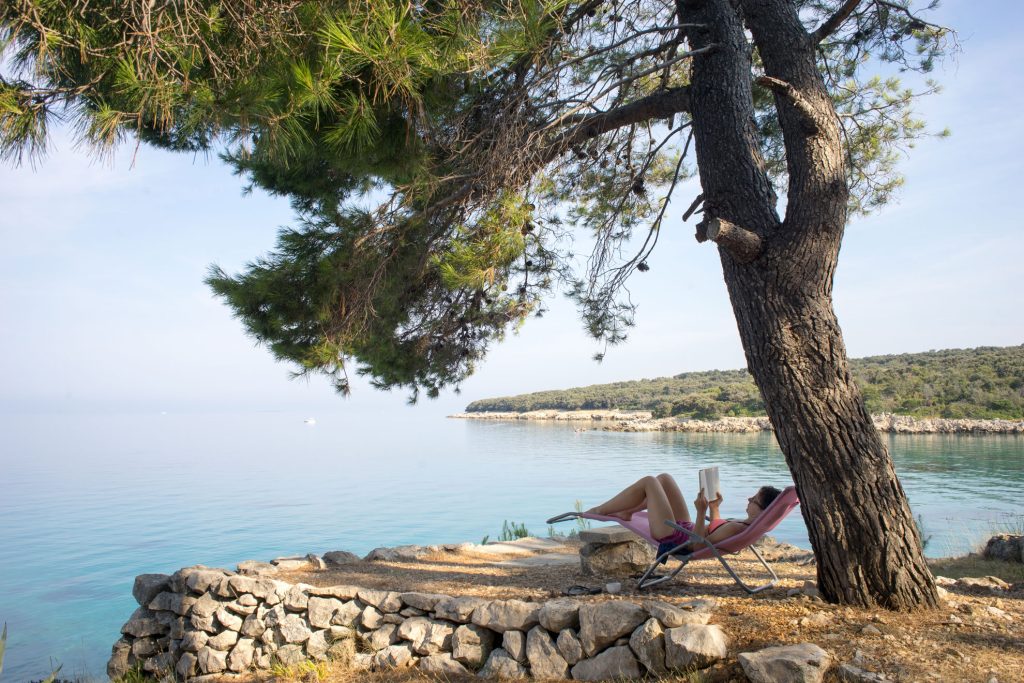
pixel 642 421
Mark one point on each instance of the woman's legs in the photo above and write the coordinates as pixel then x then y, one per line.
pixel 680 512
pixel 649 492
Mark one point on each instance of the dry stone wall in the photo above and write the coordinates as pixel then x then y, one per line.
pixel 201 623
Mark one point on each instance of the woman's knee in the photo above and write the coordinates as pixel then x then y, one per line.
pixel 648 481
pixel 665 477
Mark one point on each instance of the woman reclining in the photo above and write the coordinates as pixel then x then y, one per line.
pixel 661 497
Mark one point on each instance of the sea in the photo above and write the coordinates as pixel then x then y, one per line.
pixel 89 501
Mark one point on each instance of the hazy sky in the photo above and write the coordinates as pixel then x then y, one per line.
pixel 102 304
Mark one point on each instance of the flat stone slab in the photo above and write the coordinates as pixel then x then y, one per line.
pixel 522 546
pixel 603 535
pixel 546 560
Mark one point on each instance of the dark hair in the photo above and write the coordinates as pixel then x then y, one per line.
pixel 765 496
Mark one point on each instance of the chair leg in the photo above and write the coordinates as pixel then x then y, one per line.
pixel 741 583
pixel 646 581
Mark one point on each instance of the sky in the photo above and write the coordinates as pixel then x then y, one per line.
pixel 103 306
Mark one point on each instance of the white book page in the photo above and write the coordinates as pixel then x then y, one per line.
pixel 708 479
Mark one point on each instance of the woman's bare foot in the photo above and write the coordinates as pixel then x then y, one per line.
pixel 624 516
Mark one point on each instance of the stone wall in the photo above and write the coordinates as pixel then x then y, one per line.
pixel 202 623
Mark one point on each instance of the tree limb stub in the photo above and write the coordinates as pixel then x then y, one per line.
pixel 742 245
pixel 808 116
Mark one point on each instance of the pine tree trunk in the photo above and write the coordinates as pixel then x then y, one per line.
pixel 779 274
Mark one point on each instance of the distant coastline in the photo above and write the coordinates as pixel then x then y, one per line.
pixel 642 421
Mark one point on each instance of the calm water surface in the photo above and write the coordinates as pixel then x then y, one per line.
pixel 89 501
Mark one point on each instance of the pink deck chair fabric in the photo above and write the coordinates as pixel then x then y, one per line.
pixel 765 522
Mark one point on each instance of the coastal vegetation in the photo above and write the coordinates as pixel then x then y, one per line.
pixel 980 383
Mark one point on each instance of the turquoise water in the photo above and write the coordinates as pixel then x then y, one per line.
pixel 89 501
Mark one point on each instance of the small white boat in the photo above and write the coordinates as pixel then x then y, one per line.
pixel 310 420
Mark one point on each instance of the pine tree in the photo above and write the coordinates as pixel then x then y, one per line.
pixel 440 154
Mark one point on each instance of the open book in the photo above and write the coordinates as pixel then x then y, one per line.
pixel 708 479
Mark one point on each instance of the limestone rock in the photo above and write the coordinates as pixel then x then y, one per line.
pixel 604 623
pixel 569 646
pixel 443 665
pixel 143 647
pixel 296 599
pixel 202 623
pixel 385 601
pixel 341 592
pixel 148 586
pixel 848 673
pixel 382 637
pixel 160 665
pixel 338 558
pixel 176 583
pixel 201 581
pixel 803 663
pixel 558 615
pixel 500 664
pixel 694 646
pixel 169 602
pixel 427 636
pixel 361 661
pixel 672 616
pixel 205 606
pixel 410 612
pixel 320 611
pixel 514 643
pixel 614 663
pixel 402 553
pixel 223 641
pixel 121 659
pixel 212 661
pixel 186 667
pixel 347 614
pixel 604 535
pixel 315 562
pixel 253 626
pixel 246 600
pixel 472 644
pixel 290 564
pixel 1005 547
pixel 648 644
pixel 422 601
pixel 616 559
pixel 993 583
pixel 393 657
pixel 194 641
pixel 230 621
pixel 293 629
pixel 290 654
pixel 371 618
pixel 241 610
pixel 317 645
pixel 457 609
pixel 260 587
pixel 242 655
pixel 545 661
pixel 256 568
pixel 143 623
pixel 507 615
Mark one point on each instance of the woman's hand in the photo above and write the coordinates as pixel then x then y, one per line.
pixel 716 502
pixel 701 504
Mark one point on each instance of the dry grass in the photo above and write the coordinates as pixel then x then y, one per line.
pixel 975 565
pixel 922 646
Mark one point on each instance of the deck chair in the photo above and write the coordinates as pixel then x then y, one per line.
pixel 765 522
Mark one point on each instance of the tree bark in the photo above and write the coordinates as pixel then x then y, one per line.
pixel 864 537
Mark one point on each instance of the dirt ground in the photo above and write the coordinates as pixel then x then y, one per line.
pixel 962 641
